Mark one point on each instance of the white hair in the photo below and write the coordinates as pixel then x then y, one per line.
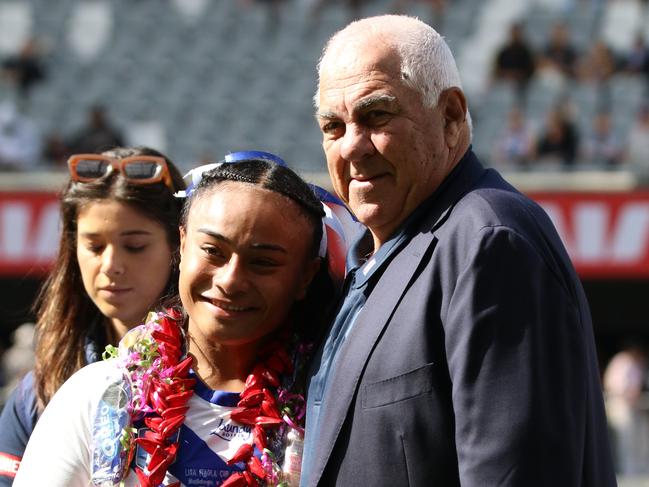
pixel 427 64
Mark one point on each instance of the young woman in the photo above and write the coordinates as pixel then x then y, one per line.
pixel 116 260
pixel 210 395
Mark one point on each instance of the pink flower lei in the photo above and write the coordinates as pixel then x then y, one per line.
pixel 154 358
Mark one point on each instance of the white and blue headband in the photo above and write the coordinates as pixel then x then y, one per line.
pixel 339 227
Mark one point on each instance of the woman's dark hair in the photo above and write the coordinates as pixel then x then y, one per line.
pixel 266 175
pixel 309 313
pixel 64 311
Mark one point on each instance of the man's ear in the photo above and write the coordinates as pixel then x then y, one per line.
pixel 309 273
pixel 452 105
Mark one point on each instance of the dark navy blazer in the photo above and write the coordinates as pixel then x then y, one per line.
pixel 473 361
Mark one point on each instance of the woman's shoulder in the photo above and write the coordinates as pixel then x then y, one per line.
pixel 92 378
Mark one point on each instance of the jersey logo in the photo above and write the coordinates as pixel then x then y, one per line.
pixel 228 431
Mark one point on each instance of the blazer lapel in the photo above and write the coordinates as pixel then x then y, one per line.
pixel 354 353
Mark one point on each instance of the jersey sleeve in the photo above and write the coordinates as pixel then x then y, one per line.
pixel 59 450
pixel 16 425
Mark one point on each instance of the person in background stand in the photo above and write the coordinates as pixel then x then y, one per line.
pixel 116 261
pixel 97 135
pixel 516 60
pixel 462 353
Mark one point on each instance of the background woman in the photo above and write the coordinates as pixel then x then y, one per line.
pixel 116 260
pixel 254 293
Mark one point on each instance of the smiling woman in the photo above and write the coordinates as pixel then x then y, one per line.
pixel 208 392
pixel 115 262
pixel 242 267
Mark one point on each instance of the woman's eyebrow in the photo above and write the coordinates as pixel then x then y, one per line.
pixel 256 246
pixel 214 234
pixel 135 232
pixel 91 234
pixel 267 246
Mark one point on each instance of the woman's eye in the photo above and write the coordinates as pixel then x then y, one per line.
pixel 211 251
pixel 265 263
pixel 95 249
pixel 135 249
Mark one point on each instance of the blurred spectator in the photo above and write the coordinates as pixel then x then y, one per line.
pixel 637 146
pixel 20 140
pixel 273 12
pixel 353 7
pixel 515 60
pixel 437 11
pixel 625 381
pixel 97 135
pixel 17 359
pixel 55 150
pixel 559 55
pixel 637 60
pixel 559 139
pixel 515 145
pixel 597 64
pixel 601 146
pixel 25 68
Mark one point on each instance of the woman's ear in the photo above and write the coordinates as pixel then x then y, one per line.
pixel 309 273
pixel 181 248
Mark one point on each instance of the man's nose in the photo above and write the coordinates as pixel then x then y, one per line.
pixel 357 143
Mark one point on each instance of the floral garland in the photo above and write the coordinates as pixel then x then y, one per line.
pixel 155 359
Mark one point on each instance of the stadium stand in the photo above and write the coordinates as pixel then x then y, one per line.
pixel 201 78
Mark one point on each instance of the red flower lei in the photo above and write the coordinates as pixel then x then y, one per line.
pixel 154 356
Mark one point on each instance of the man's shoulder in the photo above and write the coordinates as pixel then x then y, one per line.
pixel 494 202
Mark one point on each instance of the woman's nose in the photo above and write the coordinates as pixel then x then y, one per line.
pixel 111 262
pixel 231 277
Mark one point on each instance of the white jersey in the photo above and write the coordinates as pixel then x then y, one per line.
pixel 59 452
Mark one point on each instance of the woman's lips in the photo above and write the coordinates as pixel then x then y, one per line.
pixel 227 309
pixel 114 292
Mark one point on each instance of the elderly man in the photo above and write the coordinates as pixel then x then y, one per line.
pixel 462 352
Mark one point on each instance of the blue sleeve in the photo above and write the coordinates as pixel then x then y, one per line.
pixel 17 422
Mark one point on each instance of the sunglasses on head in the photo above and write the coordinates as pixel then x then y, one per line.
pixel 136 169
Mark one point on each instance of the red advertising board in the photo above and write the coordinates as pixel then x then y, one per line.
pixel 606 234
pixel 29 232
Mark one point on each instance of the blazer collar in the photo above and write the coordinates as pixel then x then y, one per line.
pixel 461 179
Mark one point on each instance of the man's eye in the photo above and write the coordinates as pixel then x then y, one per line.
pixel 332 128
pixel 376 117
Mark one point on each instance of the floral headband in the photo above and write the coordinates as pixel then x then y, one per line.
pixel 339 227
